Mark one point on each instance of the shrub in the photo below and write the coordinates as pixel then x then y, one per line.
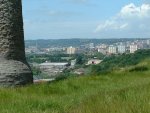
pixel 61 77
pixel 139 68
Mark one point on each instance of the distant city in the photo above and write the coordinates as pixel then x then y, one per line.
pixel 106 47
pixel 50 58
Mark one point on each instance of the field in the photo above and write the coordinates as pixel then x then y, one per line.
pixel 121 91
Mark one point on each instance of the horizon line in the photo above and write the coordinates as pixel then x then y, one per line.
pixel 83 38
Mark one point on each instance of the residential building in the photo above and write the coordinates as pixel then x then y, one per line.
pixel 94 61
pixel 112 49
pixel 102 48
pixel 133 48
pixel 71 50
pixel 121 49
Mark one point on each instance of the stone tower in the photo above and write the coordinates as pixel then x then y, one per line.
pixel 14 70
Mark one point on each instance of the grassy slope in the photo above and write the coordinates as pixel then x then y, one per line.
pixel 118 92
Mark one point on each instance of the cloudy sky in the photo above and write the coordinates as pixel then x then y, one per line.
pixel 57 19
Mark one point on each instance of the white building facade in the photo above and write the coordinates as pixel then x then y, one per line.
pixel 133 48
pixel 121 49
pixel 71 50
pixel 112 49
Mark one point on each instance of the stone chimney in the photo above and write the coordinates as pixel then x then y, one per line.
pixel 14 69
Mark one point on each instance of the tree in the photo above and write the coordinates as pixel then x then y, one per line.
pixel 80 60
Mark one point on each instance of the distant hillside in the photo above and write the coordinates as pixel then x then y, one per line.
pixel 70 42
pixel 120 61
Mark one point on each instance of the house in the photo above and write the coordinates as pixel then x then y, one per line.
pixel 94 61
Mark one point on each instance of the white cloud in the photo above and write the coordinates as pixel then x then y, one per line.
pixel 131 19
pixel 133 11
pixel 111 25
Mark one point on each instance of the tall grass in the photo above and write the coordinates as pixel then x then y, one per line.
pixel 120 91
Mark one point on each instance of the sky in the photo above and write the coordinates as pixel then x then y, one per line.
pixel 61 19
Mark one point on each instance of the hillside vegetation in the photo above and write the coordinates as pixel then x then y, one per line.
pixel 121 61
pixel 124 90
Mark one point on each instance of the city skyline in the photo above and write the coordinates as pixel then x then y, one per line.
pixel 62 19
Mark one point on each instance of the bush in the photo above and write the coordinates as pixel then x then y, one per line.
pixel 62 76
pixel 139 68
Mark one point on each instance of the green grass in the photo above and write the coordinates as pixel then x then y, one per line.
pixel 120 91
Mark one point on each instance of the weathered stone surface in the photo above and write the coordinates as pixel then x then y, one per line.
pixel 14 73
pixel 14 69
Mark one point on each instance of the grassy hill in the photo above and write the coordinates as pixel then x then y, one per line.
pixel 119 91
pixel 121 61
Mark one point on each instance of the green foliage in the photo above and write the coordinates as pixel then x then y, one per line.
pixel 36 71
pixel 63 76
pixel 128 59
pixel 45 57
pixel 97 69
pixel 113 62
pixel 139 68
pixel 80 59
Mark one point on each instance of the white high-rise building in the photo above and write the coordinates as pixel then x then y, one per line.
pixel 133 48
pixel 148 42
pixel 71 50
pixel 121 49
pixel 112 49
